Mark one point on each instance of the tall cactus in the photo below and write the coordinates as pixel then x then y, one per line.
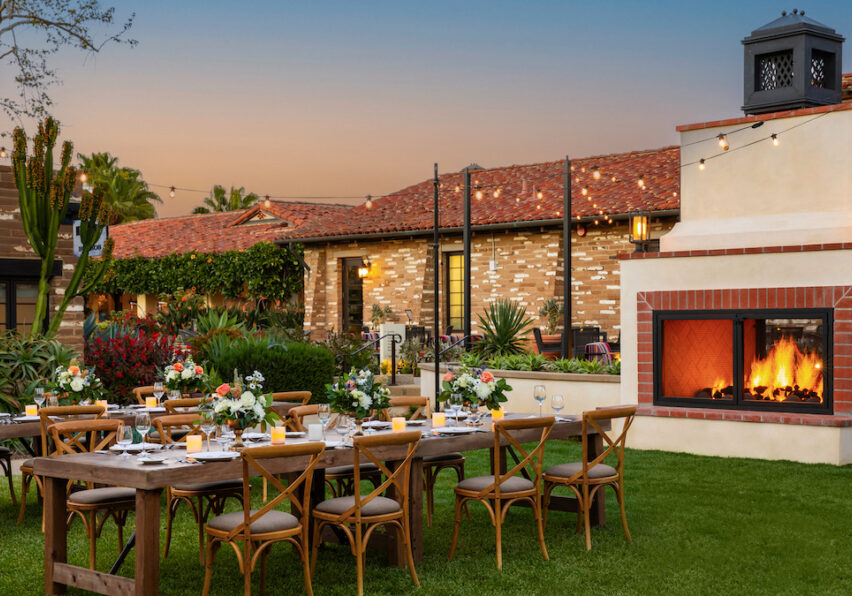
pixel 43 196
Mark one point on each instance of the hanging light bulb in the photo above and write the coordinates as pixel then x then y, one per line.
pixel 594 205
pixel 641 181
pixel 478 195
pixel 596 173
pixel 775 140
pixel 596 222
pixel 584 191
pixel 369 202
pixel 613 178
pixel 539 195
pixel 172 192
pixel 496 194
pixel 267 202
pixel 458 188
pixel 723 142
pixel 2 153
pixel 83 177
pixel 701 164
pixel 538 207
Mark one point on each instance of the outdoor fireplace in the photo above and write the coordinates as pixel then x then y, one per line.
pixel 770 359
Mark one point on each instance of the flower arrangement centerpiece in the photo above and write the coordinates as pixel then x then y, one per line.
pixel 475 386
pixel 184 376
pixel 74 385
pixel 241 410
pixel 359 393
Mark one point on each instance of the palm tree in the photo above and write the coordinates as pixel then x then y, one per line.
pixel 124 189
pixel 217 201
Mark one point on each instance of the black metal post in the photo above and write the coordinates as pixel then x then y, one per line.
pixel 393 359
pixel 566 260
pixel 436 254
pixel 466 240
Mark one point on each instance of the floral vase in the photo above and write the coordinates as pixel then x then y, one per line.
pixel 238 440
pixel 359 432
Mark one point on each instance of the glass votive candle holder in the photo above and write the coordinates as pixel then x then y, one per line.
pixel 398 424
pixel 278 435
pixel 439 419
pixel 498 414
pixel 150 402
pixel 31 410
pixel 193 444
pixel 103 403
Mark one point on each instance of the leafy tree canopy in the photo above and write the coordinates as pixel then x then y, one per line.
pixel 123 188
pixel 234 201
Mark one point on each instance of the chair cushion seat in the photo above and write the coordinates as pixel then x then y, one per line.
pixel 350 470
pixel 4 451
pixel 105 495
pixel 378 506
pixel 442 457
pixel 28 464
pixel 568 470
pixel 211 486
pixel 271 521
pixel 511 485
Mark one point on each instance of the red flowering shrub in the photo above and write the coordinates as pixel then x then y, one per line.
pixel 130 360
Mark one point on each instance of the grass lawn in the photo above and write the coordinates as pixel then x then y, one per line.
pixel 700 525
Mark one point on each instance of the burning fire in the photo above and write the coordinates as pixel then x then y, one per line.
pixel 786 373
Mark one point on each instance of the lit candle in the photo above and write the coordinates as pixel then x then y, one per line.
pixel 150 402
pixel 31 410
pixel 193 443
pixel 498 414
pixel 438 419
pixel 278 434
pixel 103 403
pixel 397 424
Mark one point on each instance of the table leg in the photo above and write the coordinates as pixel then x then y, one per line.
pixel 55 532
pixel 396 550
pixel 148 541
pixel 597 513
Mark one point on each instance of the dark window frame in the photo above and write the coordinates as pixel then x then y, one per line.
pixel 448 294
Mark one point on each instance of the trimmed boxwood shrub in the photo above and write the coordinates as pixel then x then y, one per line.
pixel 290 367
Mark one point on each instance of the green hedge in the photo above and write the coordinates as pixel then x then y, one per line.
pixel 294 367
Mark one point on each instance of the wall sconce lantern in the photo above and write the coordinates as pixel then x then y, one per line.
pixel 639 233
pixel 364 269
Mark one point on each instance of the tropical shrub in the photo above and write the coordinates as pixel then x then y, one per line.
pixel 614 368
pixel 503 325
pixel 472 360
pixel 593 367
pixel 344 346
pixel 181 310
pixel 26 364
pixel 552 311
pixel 566 365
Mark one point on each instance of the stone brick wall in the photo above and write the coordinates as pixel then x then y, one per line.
pixel 14 245
pixel 529 269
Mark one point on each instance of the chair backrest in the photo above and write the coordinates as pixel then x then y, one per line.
pixel 166 424
pixel 180 405
pixel 600 351
pixel 48 414
pixel 297 414
pixel 142 392
pixel 408 401
pixel 301 396
pixel 66 435
pixel 531 461
pixel 253 461
pixel 397 478
pixel 614 443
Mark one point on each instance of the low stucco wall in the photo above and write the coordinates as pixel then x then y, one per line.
pixel 581 392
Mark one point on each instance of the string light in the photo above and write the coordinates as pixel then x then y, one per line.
pixel 613 178
pixel 584 191
pixel 2 153
pixel 596 173
pixel 539 195
pixel 267 202
pixel 496 194
pixel 83 177
pixel 775 140
pixel 171 192
pixel 369 202
pixel 701 164
pixel 723 142
pixel 641 181
pixel 478 195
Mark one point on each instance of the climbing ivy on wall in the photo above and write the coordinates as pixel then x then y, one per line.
pixel 262 271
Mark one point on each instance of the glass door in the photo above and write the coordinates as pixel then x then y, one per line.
pixel 352 298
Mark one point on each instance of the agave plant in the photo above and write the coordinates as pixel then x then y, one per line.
pixel 566 365
pixel 212 320
pixel 594 367
pixel 503 325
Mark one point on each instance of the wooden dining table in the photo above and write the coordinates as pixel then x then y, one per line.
pixel 149 482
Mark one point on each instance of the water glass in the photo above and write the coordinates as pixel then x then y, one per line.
pixel 557 402
pixel 324 414
pixel 124 437
pixel 208 425
pixel 159 389
pixel 342 427
pixel 456 402
pixel 38 396
pixel 539 394
pixel 143 425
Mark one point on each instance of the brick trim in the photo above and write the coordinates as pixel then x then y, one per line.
pixel 745 416
pixel 754 250
pixel 840 107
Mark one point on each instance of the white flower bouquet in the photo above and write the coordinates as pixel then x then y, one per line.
pixel 358 394
pixel 184 376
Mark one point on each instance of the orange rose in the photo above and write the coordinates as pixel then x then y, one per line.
pixel 223 389
pixel 74 370
pixel 199 370
pixel 178 367
pixel 448 377
pixel 486 377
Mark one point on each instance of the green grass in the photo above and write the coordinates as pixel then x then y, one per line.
pixel 700 525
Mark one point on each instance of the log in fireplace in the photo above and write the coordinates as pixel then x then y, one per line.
pixel 770 359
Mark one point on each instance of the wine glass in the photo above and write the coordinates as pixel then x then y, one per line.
pixel 208 425
pixel 456 403
pixel 124 437
pixel 38 396
pixel 342 427
pixel 539 394
pixel 473 413
pixel 174 394
pixel 557 402
pixel 324 414
pixel 158 391
pixel 226 437
pixel 143 425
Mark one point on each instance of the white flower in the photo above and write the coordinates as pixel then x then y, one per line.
pixel 247 399
pixel 234 406
pixel 258 410
pixel 221 406
pixel 187 373
pixel 482 390
pixel 365 400
pixel 77 385
pixel 171 375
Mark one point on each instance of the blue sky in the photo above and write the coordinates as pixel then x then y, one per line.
pixel 351 98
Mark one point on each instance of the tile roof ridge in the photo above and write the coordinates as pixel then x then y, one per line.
pixel 178 217
pixel 307 203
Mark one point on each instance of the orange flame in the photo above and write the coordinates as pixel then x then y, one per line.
pixel 786 366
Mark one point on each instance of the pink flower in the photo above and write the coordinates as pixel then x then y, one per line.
pixel 199 370
pixel 178 366
pixel 486 377
pixel 350 384
pixel 448 377
pixel 223 389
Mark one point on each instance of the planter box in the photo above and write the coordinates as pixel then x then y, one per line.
pixel 581 392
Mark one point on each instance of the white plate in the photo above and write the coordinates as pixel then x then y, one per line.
pixel 376 424
pixel 157 409
pixel 454 430
pixel 151 460
pixel 295 434
pixel 333 444
pixel 415 422
pixel 567 418
pixel 135 406
pixel 4 414
pixel 255 436
pixel 215 455
pixel 134 447
pixel 27 418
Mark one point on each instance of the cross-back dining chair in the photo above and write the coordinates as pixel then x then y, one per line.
pixel 203 498
pixel 110 501
pixel 586 477
pixel 500 490
pixel 421 403
pixel 259 529
pixel 142 392
pixel 292 396
pixel 48 415
pixel 297 415
pixel 359 515
pixel 181 404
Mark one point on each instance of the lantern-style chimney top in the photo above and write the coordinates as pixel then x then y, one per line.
pixel 793 62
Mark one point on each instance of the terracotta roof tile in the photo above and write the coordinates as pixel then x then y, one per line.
pixel 411 208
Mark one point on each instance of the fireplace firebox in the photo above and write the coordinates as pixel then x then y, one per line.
pixel 776 359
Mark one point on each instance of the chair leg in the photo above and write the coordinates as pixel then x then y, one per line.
pixel 208 565
pixel 619 492
pixel 247 568
pixel 315 547
pixel 8 467
pixel 26 480
pixel 586 515
pixel 91 533
pixel 171 510
pixel 405 530
pixel 456 524
pixel 540 525
pixel 498 525
pixel 359 559
pixel 306 566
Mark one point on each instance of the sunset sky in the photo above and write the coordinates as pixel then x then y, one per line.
pixel 356 98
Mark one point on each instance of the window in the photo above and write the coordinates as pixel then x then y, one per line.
pixel 454 266
pixel 17 304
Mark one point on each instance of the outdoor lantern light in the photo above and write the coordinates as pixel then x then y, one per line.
pixel 364 269
pixel 409 313
pixel 639 231
pixel 83 177
pixel 723 142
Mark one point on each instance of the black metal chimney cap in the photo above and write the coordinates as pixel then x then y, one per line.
pixel 790 23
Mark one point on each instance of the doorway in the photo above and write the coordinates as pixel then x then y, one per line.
pixel 352 299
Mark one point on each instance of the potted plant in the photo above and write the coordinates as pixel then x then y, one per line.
pixel 551 311
pixel 379 314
